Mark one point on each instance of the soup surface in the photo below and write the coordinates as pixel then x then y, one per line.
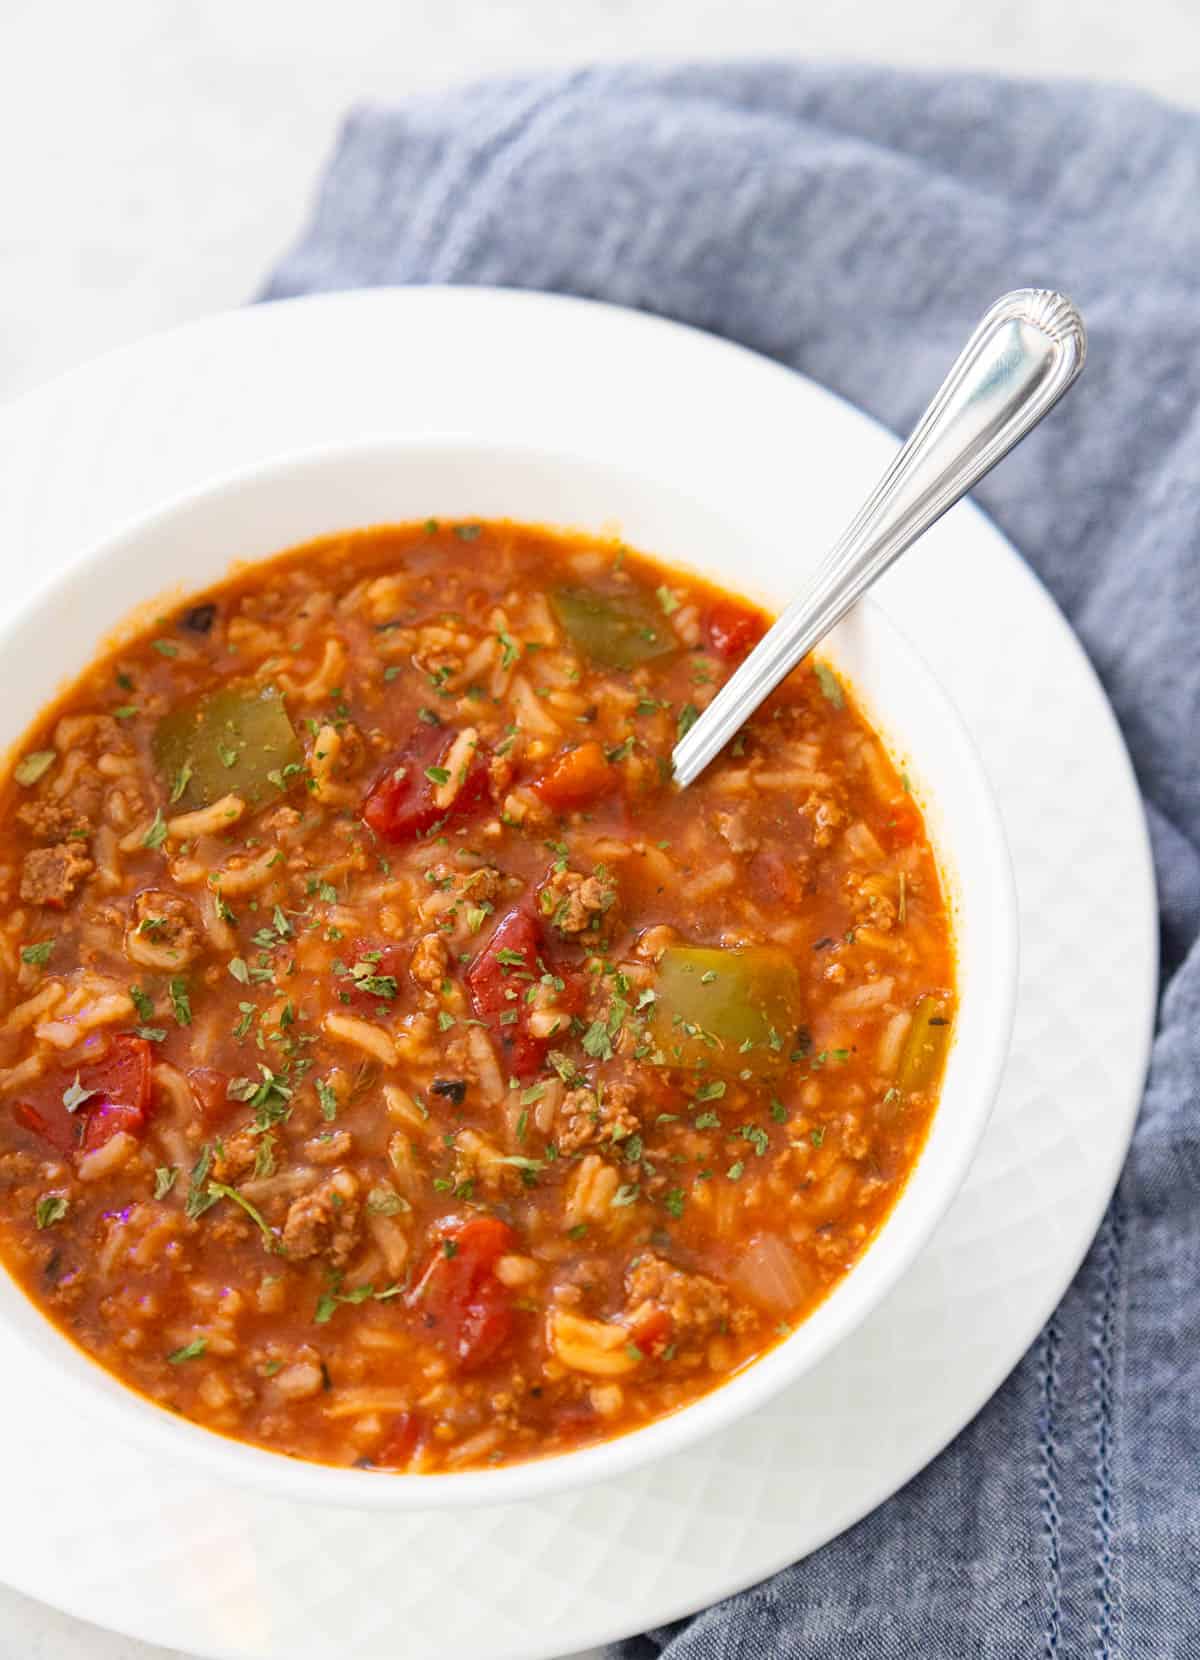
pixel 395 1068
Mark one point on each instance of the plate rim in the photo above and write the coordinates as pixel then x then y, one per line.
pixel 1103 1186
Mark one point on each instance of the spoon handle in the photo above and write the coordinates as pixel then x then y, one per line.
pixel 1020 360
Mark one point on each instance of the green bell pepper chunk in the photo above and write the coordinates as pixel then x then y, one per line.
pixel 238 741
pixel 726 1009
pixel 614 630
pixel 925 1047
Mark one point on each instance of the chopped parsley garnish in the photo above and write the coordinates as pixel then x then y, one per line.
pixel 165 1178
pixel 37 956
pixel 142 1003
pixel 29 770
pixel 198 1197
pixel 220 1190
pixel 597 1043
pixel 668 600
pixel 328 1100
pixel 383 1200
pixel 157 833
pixel 711 1090
pixel 674 1200
pixel 688 716
pixel 830 685
pixel 50 1208
pixel 178 991
pixel 736 1171
pixel 182 779
pixel 190 1351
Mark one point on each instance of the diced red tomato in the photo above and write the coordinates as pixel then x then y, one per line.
pixel 401 1441
pixel 733 629
pixel 211 1089
pixel 652 1332
pixel 469 1310
pixel 499 978
pixel 581 775
pixel 511 962
pixel 400 804
pixel 901 827
pixel 376 963
pixel 119 1082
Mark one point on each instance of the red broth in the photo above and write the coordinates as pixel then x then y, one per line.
pixel 395 1068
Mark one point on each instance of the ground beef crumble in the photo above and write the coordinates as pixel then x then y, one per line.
pixel 50 875
pixel 325 1221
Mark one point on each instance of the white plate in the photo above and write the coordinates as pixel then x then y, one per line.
pixel 105 1532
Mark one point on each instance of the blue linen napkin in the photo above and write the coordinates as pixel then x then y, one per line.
pixel 818 215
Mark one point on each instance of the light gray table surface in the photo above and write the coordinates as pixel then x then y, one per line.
pixel 159 155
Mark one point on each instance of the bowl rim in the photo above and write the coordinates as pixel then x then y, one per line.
pixel 142 1420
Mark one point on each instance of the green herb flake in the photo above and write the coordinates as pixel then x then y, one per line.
pixel 688 716
pixel 328 1100
pixel 830 685
pixel 198 1198
pixel 757 1137
pixel 50 1208
pixel 177 989
pixel 34 766
pixel 736 1171
pixel 190 1351
pixel 37 956
pixel 157 833
pixel 596 1041
pixel 143 1003
pixel 675 1200
pixel 383 1200
pixel 165 648
pixel 220 1190
pixel 711 1090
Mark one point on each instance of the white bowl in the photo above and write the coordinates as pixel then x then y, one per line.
pixel 192 542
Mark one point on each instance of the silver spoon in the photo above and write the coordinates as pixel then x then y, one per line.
pixel 1026 352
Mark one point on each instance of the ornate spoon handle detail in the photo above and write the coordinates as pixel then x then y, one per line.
pixel 1026 352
